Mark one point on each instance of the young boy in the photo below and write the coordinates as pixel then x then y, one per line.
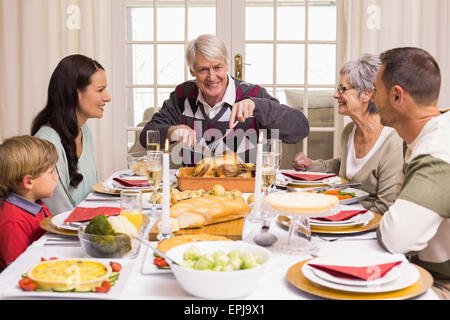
pixel 27 174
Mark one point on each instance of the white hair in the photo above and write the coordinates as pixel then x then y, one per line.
pixel 209 45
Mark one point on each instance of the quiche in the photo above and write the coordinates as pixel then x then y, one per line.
pixel 303 203
pixel 69 274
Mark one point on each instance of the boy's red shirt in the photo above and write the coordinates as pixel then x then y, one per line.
pixel 19 228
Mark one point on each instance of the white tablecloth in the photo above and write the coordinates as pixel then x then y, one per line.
pixel 273 286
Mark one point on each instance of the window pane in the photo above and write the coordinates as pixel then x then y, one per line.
pixel 170 24
pixel 322 20
pixel 321 107
pixel 260 58
pixel 163 95
pixel 138 100
pixel 170 64
pixel 140 59
pixel 201 20
pixel 290 63
pixel 322 64
pixel 320 145
pixel 140 24
pixel 291 22
pixel 259 21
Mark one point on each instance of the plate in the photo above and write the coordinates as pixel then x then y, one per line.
pixel 408 276
pixel 354 221
pixel 48 226
pixel 148 267
pixel 296 278
pixel 359 196
pixel 115 293
pixel 373 224
pixel 58 221
pixel 359 260
pixel 323 182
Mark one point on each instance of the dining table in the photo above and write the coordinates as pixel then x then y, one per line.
pixel 141 280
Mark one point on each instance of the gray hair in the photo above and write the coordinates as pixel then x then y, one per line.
pixel 361 75
pixel 209 45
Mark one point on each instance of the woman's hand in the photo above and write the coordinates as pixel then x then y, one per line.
pixel 301 162
pixel 183 134
pixel 241 111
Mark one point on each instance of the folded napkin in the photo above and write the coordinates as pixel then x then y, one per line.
pixel 341 216
pixel 308 177
pixel 132 183
pixel 85 214
pixel 361 273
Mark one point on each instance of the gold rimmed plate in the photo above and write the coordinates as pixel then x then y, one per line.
pixel 373 224
pixel 296 278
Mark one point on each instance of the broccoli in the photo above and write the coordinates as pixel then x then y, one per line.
pixel 104 241
pixel 100 226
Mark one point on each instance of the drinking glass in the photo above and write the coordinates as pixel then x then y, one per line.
pixel 154 176
pixel 153 142
pixel 131 207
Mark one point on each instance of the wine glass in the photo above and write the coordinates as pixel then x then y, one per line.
pixel 154 176
pixel 153 142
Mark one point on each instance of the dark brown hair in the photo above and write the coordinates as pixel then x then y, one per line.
pixel 73 73
pixel 415 70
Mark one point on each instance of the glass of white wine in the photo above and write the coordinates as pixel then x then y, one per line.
pixel 154 175
pixel 153 142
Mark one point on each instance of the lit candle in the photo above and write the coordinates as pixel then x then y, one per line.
pixel 165 220
pixel 258 173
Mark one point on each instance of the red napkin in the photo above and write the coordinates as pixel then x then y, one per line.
pixel 308 177
pixel 132 183
pixel 341 216
pixel 361 273
pixel 85 214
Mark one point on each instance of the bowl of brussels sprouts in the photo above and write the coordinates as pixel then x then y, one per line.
pixel 219 269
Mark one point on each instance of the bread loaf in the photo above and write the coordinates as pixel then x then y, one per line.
pixel 205 210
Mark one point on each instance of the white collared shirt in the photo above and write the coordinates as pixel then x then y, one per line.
pixel 229 97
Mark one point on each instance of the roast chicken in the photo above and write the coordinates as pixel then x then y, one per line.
pixel 227 165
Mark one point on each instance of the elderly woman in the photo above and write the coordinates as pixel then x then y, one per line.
pixel 370 153
pixel 209 105
pixel 76 93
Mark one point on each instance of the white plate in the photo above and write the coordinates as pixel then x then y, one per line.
pixel 115 293
pixel 148 267
pixel 354 221
pixel 58 221
pixel 407 273
pixel 332 178
pixel 111 184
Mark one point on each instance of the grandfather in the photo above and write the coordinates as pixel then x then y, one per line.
pixel 209 105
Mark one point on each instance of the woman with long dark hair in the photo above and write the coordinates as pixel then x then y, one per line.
pixel 76 93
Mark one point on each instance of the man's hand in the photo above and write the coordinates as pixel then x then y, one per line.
pixel 241 111
pixel 301 162
pixel 183 134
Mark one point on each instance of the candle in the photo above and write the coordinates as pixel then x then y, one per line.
pixel 258 173
pixel 165 220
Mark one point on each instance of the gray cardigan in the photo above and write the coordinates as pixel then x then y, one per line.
pixel 380 175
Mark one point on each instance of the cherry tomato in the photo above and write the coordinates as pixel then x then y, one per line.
pixel 29 287
pixel 160 262
pixel 53 258
pixel 24 281
pixel 100 290
pixel 116 267
pixel 105 287
pixel 43 259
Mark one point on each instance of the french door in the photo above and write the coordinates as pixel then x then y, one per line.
pixel 288 47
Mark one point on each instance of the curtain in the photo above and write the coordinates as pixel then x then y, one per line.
pixel 34 36
pixel 373 26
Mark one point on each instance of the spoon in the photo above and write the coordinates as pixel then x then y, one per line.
pixel 156 250
pixel 264 238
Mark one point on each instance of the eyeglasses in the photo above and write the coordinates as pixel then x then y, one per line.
pixel 342 89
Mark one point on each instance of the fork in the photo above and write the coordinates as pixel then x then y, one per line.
pixel 216 142
pixel 347 238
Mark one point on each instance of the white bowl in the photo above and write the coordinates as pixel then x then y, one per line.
pixel 209 284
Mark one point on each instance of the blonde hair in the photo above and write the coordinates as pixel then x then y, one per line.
pixel 22 155
pixel 209 45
